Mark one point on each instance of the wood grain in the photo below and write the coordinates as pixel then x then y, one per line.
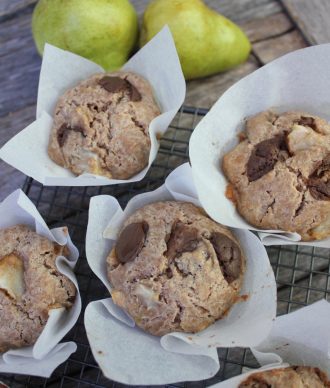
pixel 269 49
pixel 243 10
pixel 267 27
pixel 237 10
pixel 312 18
pixel 204 93
pixel 10 123
pixel 10 7
pixel 19 65
pixel 10 178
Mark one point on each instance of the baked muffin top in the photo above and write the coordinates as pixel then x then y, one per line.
pixel 279 173
pixel 291 377
pixel 175 269
pixel 101 126
pixel 30 285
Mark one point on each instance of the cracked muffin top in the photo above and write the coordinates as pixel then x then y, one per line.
pixel 101 126
pixel 175 269
pixel 291 377
pixel 279 173
pixel 30 285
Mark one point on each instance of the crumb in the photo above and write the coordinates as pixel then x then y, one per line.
pixel 241 136
pixel 230 194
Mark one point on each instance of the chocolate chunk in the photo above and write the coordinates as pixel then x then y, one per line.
pixel 117 84
pixel 131 241
pixel 319 190
pixel 63 133
pixel 169 273
pixel 113 84
pixel 265 155
pixel 319 181
pixel 177 318
pixel 134 94
pixel 322 168
pixel 307 121
pixel 183 238
pixel 229 256
pixel 71 299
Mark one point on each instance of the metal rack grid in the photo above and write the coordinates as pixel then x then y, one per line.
pixel 302 273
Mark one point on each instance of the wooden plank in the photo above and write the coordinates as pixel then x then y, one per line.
pixel 237 10
pixel 269 49
pixel 312 18
pixel 10 178
pixel 15 34
pixel 14 122
pixel 9 7
pixel 243 10
pixel 205 92
pixel 18 89
pixel 267 27
pixel 19 65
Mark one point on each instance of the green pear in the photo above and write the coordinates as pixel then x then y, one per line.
pixel 104 31
pixel 206 41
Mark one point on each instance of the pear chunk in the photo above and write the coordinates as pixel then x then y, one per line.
pixel 12 275
pixel 303 138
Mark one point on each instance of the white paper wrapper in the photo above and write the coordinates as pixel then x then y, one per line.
pixel 235 381
pixel 298 338
pixel 127 354
pixel 47 353
pixel 299 80
pixel 157 62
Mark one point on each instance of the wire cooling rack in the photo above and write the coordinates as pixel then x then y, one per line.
pixel 302 273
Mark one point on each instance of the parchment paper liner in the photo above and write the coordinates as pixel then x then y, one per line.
pixel 47 353
pixel 298 338
pixel 157 62
pixel 297 81
pixel 127 354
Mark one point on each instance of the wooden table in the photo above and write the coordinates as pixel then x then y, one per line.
pixel 274 27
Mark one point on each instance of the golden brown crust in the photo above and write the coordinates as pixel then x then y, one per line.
pixel 177 280
pixel 280 174
pixel 291 377
pixel 104 130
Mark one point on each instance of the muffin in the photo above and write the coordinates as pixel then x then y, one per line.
pixel 101 126
pixel 292 377
pixel 279 173
pixel 175 269
pixel 30 285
